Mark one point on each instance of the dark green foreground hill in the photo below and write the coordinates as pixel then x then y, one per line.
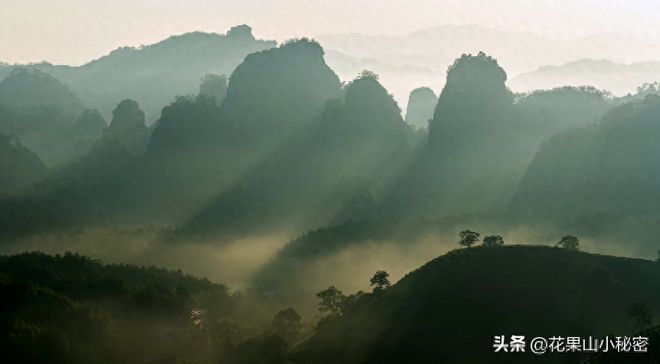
pixel 448 310
pixel 72 309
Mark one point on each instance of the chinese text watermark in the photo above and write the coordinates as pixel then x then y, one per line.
pixel 570 344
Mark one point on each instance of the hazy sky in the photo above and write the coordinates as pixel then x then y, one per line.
pixel 75 31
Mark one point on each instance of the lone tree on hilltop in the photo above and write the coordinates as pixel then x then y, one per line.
pixel 380 281
pixel 368 74
pixel 569 242
pixel 468 238
pixel 332 300
pixel 493 241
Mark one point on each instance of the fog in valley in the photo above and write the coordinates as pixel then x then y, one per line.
pixel 305 182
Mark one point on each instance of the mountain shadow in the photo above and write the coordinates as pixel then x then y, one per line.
pixel 482 137
pixel 98 187
pixel 477 146
pixel 332 170
pixel 607 171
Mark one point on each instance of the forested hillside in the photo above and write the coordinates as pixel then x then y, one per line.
pixel 449 309
pixel 137 73
pixel 255 165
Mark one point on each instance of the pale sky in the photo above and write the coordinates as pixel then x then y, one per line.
pixel 76 31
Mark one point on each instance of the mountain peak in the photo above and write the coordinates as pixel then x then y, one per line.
pixel 241 32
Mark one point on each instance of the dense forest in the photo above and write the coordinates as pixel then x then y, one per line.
pixel 252 164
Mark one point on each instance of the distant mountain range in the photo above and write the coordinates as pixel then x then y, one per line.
pixel 617 78
pixel 399 79
pixel 153 75
pixel 517 51
pixel 289 135
pixel 403 62
pixel 434 49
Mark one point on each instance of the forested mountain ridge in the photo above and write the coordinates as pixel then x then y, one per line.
pixel 482 137
pixel 119 179
pixel 137 73
pixel 617 77
pixel 24 88
pixel 261 159
pixel 257 165
pixel 41 111
pixel 336 165
pixel 608 167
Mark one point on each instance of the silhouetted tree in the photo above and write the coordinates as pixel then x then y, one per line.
pixel 287 323
pixel 641 314
pixel 493 240
pixel 332 301
pixel 379 280
pixel 468 238
pixel 569 242
pixel 368 74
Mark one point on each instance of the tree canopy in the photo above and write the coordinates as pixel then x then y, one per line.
pixel 569 242
pixel 467 238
